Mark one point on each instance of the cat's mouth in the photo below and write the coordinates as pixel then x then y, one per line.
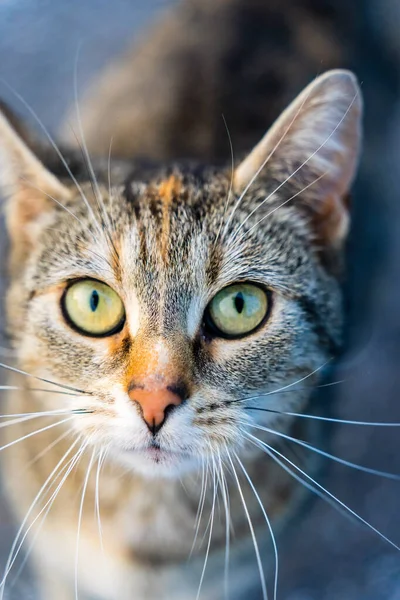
pixel 158 454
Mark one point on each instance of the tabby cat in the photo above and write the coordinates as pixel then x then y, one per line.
pixel 169 323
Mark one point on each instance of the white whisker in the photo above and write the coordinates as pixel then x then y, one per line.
pixel 14 552
pixel 225 499
pixel 30 417
pixel 273 453
pixel 230 185
pixel 37 431
pixel 328 419
pixel 96 189
pixel 85 484
pixel 56 148
pixel 211 530
pixel 235 240
pixel 49 447
pixel 267 520
pixel 60 204
pixel 100 463
pixel 289 177
pixel 256 174
pixel 204 481
pixel 59 411
pixel 61 385
pixel 13 388
pixel 288 386
pixel 253 535
pixel 341 461
pixel 9 387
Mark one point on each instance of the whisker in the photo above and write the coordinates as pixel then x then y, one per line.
pixel 55 147
pixel 25 437
pixel 211 530
pixel 268 522
pixel 61 385
pixel 92 176
pixel 253 535
pixel 109 185
pixel 298 168
pixel 13 552
pixel 230 185
pixel 307 485
pixel 60 204
pixel 28 552
pixel 49 447
pixel 256 174
pixel 211 469
pixel 328 419
pixel 272 452
pixel 9 387
pixel 30 417
pixel 97 497
pixel 99 201
pixel 286 387
pixel 236 240
pixel 48 505
pixel 37 414
pixel 100 464
pixel 200 508
pixel 29 389
pixel 46 390
pixel 225 500
pixel 85 484
pixel 308 388
pixel 337 459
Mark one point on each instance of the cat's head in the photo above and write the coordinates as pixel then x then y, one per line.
pixel 178 298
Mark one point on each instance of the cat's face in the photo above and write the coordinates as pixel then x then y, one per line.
pixel 172 300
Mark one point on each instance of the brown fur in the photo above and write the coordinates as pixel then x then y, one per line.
pixel 243 59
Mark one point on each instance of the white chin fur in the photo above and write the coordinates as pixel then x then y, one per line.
pixel 166 465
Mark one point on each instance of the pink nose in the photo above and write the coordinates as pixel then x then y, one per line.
pixel 155 403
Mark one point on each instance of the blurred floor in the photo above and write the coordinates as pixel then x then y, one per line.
pixel 326 556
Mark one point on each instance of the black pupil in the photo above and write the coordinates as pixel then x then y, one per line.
pixel 94 300
pixel 239 302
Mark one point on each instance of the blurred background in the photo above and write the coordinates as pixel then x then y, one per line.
pixel 323 556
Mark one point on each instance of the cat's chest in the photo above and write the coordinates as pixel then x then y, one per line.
pixel 141 548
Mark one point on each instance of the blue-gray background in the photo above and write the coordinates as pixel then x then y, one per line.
pixel 326 556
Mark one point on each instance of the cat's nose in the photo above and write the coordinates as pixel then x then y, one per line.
pixel 156 402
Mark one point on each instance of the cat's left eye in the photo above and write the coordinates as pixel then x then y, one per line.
pixel 93 308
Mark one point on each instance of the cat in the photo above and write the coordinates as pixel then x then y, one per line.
pixel 163 312
pixel 156 313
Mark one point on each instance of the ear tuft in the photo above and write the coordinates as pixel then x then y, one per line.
pixel 315 144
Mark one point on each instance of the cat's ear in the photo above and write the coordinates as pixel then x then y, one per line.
pixel 26 186
pixel 315 146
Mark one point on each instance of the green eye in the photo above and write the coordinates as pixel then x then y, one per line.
pixel 93 308
pixel 238 309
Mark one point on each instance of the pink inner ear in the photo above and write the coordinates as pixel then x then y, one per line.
pixel 29 189
pixel 331 223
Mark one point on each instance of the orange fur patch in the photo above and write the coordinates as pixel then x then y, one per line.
pixel 167 190
pixel 158 363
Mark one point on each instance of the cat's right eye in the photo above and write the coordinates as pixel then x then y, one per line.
pixel 93 308
pixel 237 310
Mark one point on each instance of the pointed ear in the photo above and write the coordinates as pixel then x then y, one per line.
pixel 315 145
pixel 27 187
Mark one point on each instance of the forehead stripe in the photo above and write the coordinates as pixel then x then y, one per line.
pixel 167 190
